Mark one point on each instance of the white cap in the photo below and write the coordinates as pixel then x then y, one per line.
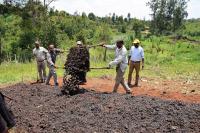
pixel 78 42
pixel 37 42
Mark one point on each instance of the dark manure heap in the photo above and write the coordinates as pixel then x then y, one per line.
pixel 77 62
pixel 39 110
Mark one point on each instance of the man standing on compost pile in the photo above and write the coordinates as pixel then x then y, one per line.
pixel 51 60
pixel 6 119
pixel 40 55
pixel 121 61
pixel 78 62
pixel 136 55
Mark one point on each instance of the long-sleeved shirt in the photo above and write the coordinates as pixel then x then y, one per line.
pixel 136 54
pixel 120 57
pixel 49 60
pixel 54 54
pixel 40 54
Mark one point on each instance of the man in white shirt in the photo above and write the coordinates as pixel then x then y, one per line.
pixel 40 55
pixel 121 61
pixel 136 55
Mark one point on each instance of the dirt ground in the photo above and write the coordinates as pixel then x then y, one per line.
pixel 187 91
pixel 38 109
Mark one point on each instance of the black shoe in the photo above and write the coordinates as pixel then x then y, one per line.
pixel 128 92
pixel 130 85
pixel 135 85
pixel 56 84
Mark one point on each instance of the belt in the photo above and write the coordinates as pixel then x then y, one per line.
pixel 135 61
pixel 40 61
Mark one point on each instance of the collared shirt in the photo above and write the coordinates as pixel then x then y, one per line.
pixel 49 60
pixel 120 57
pixel 54 54
pixel 136 54
pixel 40 53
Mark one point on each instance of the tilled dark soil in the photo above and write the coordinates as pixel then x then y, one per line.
pixel 39 110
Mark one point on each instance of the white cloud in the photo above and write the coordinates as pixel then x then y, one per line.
pixel 137 8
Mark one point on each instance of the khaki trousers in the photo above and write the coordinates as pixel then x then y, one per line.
pixel 120 80
pixel 134 65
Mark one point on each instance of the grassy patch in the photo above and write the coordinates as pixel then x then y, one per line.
pixel 163 59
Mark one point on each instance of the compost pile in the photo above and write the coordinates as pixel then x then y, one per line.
pixel 77 61
pixel 39 110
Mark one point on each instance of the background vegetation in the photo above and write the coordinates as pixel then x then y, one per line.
pixel 171 42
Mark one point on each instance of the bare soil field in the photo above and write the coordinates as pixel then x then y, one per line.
pixel 38 109
pixel 187 91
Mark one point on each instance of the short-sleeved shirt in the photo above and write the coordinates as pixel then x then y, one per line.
pixel 40 53
pixel 136 54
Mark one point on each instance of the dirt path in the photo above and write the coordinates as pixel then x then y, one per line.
pixel 186 91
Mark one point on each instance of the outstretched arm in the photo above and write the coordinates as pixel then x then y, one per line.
pixel 109 46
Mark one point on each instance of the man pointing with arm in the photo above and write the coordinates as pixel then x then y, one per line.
pixel 121 61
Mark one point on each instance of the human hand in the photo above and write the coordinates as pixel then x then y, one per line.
pixel 55 66
pixel 102 44
pixel 142 66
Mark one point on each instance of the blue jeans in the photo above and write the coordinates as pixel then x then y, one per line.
pixel 52 72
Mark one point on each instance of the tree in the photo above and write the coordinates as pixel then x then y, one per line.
pixel 91 16
pixel 2 33
pixel 113 18
pixel 84 15
pixel 129 16
pixel 167 16
pixel 120 20
pixel 179 14
pixel 138 26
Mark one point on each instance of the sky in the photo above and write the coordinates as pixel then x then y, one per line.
pixel 137 8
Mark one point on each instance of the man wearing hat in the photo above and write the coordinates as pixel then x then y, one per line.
pixel 136 56
pixel 121 61
pixel 40 55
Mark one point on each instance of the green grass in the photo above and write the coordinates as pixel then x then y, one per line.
pixel 163 60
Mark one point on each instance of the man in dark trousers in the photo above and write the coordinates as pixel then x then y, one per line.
pixel 6 119
pixel 51 60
